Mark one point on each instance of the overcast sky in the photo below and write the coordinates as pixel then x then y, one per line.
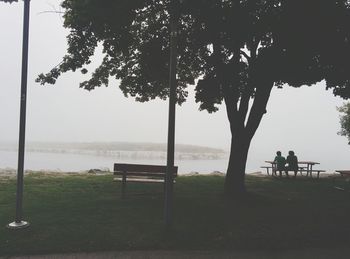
pixel 304 120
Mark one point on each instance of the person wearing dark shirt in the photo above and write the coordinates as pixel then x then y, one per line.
pixel 280 162
pixel 292 161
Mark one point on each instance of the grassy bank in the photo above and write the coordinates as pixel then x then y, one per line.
pixel 86 213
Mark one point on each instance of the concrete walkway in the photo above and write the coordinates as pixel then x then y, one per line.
pixel 319 253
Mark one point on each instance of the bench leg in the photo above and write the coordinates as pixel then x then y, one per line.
pixel 310 171
pixel 123 185
pixel 274 173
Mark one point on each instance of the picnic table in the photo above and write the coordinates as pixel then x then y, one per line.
pixel 303 166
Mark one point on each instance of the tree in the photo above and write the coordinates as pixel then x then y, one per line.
pixel 238 50
pixel 345 120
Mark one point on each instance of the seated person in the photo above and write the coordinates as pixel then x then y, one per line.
pixel 292 162
pixel 280 162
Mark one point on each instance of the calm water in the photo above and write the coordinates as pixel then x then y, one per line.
pixel 68 162
pixel 76 162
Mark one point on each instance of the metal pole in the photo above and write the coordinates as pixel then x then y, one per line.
pixel 19 223
pixel 168 211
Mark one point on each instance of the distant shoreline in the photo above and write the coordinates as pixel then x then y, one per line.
pixel 121 150
pixel 112 146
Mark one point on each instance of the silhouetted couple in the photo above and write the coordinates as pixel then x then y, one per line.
pixel 289 164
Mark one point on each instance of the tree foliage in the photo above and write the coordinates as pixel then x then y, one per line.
pixel 8 1
pixel 345 120
pixel 294 42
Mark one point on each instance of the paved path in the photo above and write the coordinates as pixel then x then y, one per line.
pixel 319 253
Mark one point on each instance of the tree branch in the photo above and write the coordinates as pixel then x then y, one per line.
pixel 259 108
pixel 245 55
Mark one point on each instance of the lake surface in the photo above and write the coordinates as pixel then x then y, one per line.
pixel 70 162
pixel 75 162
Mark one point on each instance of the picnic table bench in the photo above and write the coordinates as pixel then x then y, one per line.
pixel 301 169
pixel 307 168
pixel 268 169
pixel 343 174
pixel 273 169
pixel 140 173
pixel 309 172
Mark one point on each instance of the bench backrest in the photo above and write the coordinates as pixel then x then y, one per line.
pixel 344 172
pixel 138 168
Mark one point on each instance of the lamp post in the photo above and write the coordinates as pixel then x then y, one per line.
pixel 19 223
pixel 174 17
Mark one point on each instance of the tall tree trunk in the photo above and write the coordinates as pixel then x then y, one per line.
pixel 242 127
pixel 242 134
pixel 235 177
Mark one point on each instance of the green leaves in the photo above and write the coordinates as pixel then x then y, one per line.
pixel 293 42
pixel 345 120
pixel 9 1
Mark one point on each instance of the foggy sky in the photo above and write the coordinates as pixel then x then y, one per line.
pixel 304 120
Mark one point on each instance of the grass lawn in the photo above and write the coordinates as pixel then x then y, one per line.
pixel 85 213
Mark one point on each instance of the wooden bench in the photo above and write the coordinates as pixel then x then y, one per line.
pixel 318 171
pixel 141 174
pixel 342 174
pixel 268 169
pixel 308 172
pixel 274 171
pixel 301 169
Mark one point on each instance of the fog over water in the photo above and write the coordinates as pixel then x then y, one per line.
pixel 78 163
pixel 304 120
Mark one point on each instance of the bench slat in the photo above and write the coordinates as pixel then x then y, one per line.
pixel 344 173
pixel 313 170
pixel 131 174
pixel 142 168
pixel 141 180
